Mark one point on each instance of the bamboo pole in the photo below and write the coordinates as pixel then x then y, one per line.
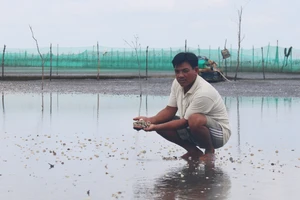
pixel 147 62
pixel 266 65
pixel 241 60
pixel 3 54
pixel 230 56
pixel 225 58
pixel 50 61
pixel 98 61
pixel 263 66
pixel 252 58
pixel 57 60
pixel 277 56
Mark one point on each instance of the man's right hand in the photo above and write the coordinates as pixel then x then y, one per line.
pixel 141 117
pixel 137 127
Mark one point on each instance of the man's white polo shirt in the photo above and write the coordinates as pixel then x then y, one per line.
pixel 202 98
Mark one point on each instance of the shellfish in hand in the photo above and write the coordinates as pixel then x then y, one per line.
pixel 141 124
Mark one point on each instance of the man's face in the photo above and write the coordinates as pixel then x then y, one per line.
pixel 185 74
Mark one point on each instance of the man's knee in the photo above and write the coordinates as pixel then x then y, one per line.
pixel 196 121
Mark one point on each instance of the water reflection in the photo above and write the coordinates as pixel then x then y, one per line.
pixel 42 104
pixel 3 107
pixel 192 181
pixel 262 106
pixel 229 101
pixel 238 124
pixel 246 108
pixel 50 104
pixel 82 128
pixel 3 112
pixel 98 100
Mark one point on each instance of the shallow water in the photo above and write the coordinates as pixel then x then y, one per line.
pixel 90 141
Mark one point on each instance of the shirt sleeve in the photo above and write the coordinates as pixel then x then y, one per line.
pixel 202 105
pixel 172 98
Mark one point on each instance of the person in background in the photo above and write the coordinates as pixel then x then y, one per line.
pixel 207 65
pixel 195 117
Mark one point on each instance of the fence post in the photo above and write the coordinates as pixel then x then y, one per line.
pixel 262 61
pixel 147 62
pixel 252 58
pixel 50 61
pixel 98 61
pixel 3 61
pixel 57 61
pixel 231 56
pixel 241 61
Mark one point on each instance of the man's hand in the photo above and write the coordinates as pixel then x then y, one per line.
pixel 137 127
pixel 141 123
pixel 152 127
pixel 141 117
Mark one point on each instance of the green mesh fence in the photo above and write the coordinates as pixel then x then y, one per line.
pixel 86 58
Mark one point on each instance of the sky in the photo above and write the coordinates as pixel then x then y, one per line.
pixel 155 23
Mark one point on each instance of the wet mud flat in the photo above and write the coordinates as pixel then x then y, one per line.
pixel 282 87
pixel 74 140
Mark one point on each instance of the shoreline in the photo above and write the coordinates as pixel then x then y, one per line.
pixel 152 86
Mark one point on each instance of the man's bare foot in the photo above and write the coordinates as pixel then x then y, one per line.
pixel 207 157
pixel 192 155
pixel 186 156
pixel 210 151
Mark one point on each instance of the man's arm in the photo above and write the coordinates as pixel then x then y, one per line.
pixel 164 115
pixel 163 120
pixel 170 125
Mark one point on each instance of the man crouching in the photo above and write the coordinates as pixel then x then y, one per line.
pixel 203 119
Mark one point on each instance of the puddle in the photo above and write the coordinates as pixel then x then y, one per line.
pixel 82 146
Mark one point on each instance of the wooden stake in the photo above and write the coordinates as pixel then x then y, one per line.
pixel 57 60
pixel 50 61
pixel 263 62
pixel 98 61
pixel 225 59
pixel 3 60
pixel 252 58
pixel 147 62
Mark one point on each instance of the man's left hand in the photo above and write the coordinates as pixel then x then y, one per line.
pixel 152 127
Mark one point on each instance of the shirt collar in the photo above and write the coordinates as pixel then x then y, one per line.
pixel 194 86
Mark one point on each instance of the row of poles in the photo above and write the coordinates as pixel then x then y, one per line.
pixel 287 53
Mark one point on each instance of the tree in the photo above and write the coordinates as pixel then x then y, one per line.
pixel 42 58
pixel 240 39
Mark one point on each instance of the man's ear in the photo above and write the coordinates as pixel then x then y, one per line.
pixel 196 69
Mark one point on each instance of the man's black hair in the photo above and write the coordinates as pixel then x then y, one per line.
pixel 188 57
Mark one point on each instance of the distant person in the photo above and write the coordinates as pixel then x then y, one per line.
pixel 202 121
pixel 207 65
